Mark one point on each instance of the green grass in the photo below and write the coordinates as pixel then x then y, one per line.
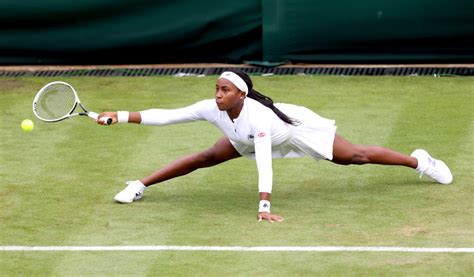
pixel 57 183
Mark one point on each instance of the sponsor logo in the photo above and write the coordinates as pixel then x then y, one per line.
pixel 261 135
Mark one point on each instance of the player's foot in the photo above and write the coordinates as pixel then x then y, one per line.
pixel 434 168
pixel 133 192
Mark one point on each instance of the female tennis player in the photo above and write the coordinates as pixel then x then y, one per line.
pixel 255 127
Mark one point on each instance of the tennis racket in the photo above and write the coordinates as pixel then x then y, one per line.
pixel 57 101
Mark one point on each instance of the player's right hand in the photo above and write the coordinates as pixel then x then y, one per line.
pixel 102 120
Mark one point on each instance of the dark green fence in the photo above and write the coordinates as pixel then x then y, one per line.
pixel 369 30
pixel 145 31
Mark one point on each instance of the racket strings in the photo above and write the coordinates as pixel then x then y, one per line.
pixel 56 101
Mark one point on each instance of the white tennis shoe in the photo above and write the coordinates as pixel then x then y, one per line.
pixel 133 192
pixel 434 168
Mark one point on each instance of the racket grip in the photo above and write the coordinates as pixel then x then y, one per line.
pixel 93 115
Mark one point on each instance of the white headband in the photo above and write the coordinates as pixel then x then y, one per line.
pixel 236 80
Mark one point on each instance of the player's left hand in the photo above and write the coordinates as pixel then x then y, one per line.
pixel 269 217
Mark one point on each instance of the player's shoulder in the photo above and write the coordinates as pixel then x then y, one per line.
pixel 255 105
pixel 206 109
pixel 259 113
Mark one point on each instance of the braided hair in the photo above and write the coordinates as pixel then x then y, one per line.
pixel 263 99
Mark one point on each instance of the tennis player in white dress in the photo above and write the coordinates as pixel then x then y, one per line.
pixel 256 128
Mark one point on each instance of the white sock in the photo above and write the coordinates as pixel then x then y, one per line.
pixel 137 184
pixel 421 165
pixel 140 184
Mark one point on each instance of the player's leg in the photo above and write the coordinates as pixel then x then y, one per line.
pixel 220 152
pixel 345 153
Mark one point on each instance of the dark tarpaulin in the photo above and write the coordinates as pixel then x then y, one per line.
pixel 369 30
pixel 126 31
pixel 264 31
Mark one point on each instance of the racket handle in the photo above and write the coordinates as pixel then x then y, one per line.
pixel 95 116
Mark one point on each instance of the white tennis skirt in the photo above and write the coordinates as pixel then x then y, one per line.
pixel 313 137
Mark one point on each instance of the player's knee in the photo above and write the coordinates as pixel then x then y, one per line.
pixel 205 159
pixel 360 156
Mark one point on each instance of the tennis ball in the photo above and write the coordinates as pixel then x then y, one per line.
pixel 27 125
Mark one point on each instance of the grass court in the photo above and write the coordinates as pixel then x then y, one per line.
pixel 57 183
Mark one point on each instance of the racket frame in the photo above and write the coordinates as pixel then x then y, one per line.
pixel 77 102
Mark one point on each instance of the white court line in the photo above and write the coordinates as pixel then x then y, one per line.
pixel 240 248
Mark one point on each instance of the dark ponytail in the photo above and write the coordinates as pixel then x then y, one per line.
pixel 264 100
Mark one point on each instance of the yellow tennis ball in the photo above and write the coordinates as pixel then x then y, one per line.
pixel 27 125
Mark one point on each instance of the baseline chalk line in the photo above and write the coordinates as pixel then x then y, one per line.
pixel 240 248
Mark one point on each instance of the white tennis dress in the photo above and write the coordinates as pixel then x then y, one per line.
pixel 258 133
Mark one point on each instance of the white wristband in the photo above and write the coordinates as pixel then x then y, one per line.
pixel 122 117
pixel 264 206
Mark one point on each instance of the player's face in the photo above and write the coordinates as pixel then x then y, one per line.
pixel 228 96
